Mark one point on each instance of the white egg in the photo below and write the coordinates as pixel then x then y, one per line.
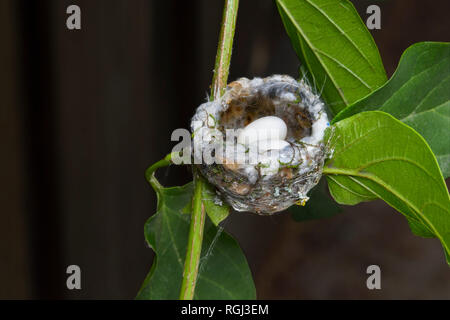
pixel 266 128
pixel 261 146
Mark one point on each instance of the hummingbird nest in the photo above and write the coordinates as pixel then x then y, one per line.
pixel 271 179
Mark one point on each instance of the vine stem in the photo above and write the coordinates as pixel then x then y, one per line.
pixel 219 83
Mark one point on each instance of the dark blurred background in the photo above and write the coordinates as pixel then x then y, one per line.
pixel 83 113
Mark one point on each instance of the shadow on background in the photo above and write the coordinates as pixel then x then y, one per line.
pixel 83 113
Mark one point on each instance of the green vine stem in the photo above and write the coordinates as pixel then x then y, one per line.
pixel 224 49
pixel 150 172
pixel 195 240
pixel 219 83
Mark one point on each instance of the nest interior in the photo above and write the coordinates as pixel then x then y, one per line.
pixel 243 110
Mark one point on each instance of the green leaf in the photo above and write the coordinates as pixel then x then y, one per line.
pixel 216 208
pixel 319 205
pixel 334 44
pixel 377 156
pixel 223 271
pixel 419 95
